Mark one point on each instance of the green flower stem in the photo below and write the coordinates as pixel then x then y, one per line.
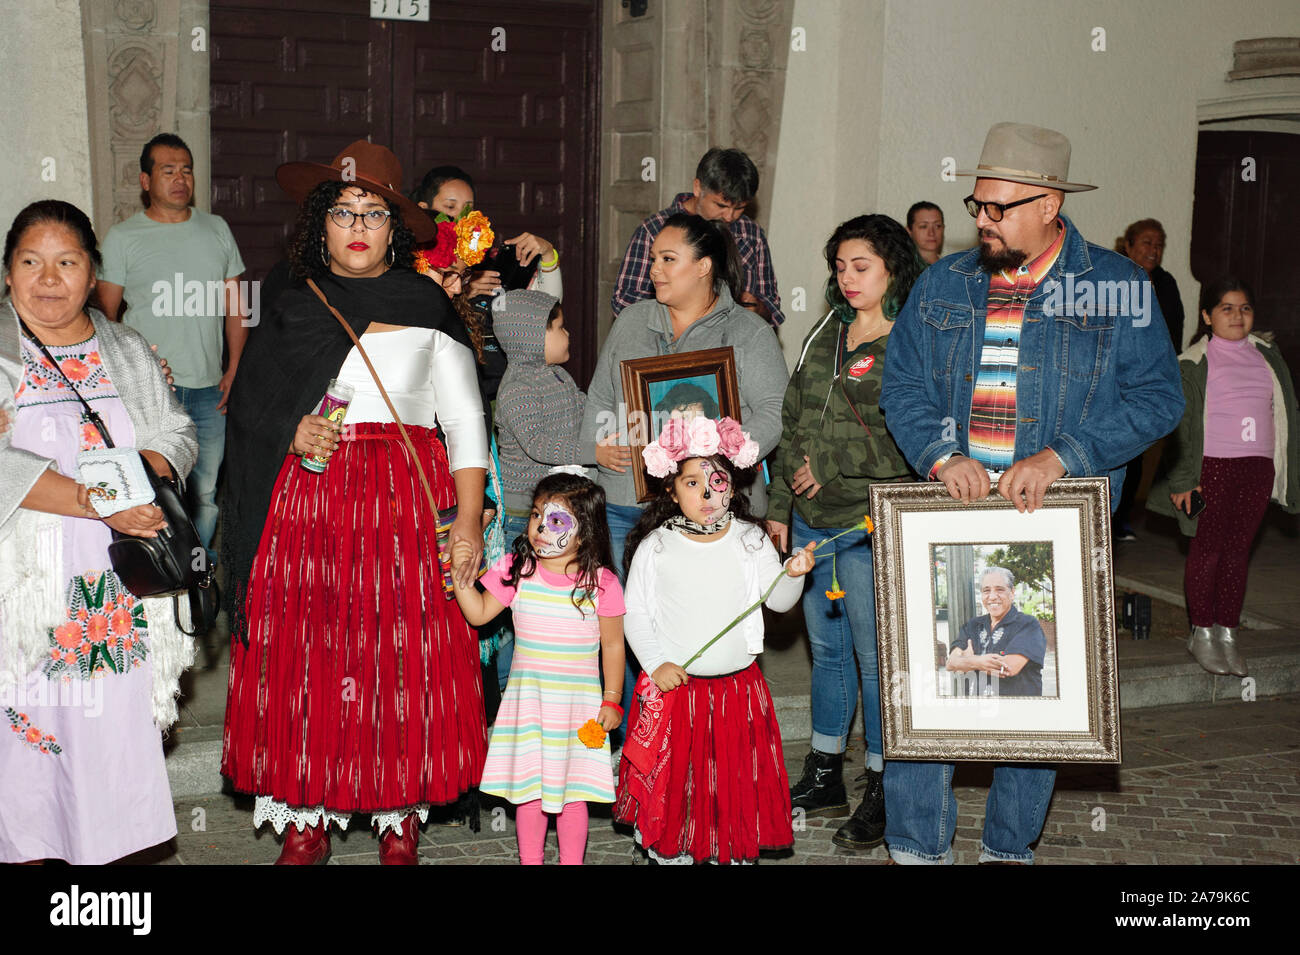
pixel 860 526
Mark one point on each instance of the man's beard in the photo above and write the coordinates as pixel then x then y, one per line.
pixel 1006 260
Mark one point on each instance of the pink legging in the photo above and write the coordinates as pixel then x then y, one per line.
pixel 570 826
pixel 1236 492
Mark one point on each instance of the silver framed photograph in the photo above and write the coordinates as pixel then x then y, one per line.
pixel 996 628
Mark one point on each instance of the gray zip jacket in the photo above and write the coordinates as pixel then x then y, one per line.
pixel 644 329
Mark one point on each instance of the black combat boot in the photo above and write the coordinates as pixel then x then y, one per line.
pixel 820 790
pixel 866 828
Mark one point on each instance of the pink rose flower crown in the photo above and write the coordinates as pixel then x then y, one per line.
pixel 699 437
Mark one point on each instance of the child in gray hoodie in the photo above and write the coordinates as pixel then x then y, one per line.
pixel 539 405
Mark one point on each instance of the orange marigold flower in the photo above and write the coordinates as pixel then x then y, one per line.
pixel 868 524
pixel 474 237
pixel 33 734
pixel 591 734
pixel 835 595
pixel 69 658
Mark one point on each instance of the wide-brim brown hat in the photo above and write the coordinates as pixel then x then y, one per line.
pixel 366 166
pixel 1018 152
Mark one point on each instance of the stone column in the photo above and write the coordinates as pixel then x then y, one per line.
pixel 686 75
pixel 146 73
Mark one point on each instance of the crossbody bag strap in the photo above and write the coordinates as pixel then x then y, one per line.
pixel 410 446
pixel 91 413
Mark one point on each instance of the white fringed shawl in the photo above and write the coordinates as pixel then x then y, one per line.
pixel 33 599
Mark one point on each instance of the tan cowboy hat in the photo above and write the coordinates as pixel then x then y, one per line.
pixel 366 166
pixel 1018 152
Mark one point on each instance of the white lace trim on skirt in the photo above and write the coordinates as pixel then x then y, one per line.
pixel 280 814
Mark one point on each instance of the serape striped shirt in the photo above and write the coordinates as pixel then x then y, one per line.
pixel 993 405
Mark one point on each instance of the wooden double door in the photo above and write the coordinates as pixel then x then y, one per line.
pixel 508 91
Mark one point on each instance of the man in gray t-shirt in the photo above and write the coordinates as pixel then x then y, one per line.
pixel 179 271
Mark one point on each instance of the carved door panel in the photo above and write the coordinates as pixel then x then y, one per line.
pixel 304 79
pixel 1244 222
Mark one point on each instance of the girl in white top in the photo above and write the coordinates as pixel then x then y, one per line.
pixel 717 789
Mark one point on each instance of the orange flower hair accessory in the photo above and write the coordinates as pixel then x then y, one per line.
pixel 591 734
pixel 474 237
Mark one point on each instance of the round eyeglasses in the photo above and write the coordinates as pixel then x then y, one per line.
pixel 373 218
pixel 995 210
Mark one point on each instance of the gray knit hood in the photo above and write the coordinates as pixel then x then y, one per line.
pixel 519 323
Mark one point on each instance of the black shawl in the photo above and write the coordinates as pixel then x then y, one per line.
pixel 291 355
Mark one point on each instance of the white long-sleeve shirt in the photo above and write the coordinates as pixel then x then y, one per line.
pixel 431 379
pixel 681 592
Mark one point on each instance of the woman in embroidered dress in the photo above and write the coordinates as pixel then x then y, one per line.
pixel 88 672
pixel 354 679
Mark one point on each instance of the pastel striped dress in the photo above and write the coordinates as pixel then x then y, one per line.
pixel 554 688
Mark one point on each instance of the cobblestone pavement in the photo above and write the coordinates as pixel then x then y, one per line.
pixel 1215 783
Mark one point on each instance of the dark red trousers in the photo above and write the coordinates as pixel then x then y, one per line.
pixel 1236 492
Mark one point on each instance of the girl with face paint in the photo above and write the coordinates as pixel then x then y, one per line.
pixel 697 560
pixel 567 605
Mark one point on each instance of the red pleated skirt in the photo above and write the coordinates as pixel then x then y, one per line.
pixel 360 689
pixel 727 791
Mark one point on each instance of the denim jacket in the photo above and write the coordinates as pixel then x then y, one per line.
pixel 1098 380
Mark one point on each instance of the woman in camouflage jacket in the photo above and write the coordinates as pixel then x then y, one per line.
pixel 834 445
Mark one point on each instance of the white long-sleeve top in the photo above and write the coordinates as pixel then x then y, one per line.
pixel 681 592
pixel 431 379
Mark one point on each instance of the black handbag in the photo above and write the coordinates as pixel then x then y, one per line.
pixel 173 562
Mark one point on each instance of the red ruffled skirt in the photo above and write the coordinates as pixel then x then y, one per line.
pixel 360 689
pixel 724 786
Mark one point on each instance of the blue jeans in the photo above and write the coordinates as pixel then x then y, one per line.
pixel 201 405
pixel 514 526
pixel 921 812
pixel 621 518
pixel 836 630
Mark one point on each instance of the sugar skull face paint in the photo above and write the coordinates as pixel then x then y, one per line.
pixel 554 530
pixel 703 491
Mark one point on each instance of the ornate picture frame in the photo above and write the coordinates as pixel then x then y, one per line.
pixel 651 385
pixel 1056 699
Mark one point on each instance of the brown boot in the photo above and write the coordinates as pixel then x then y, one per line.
pixel 401 850
pixel 307 847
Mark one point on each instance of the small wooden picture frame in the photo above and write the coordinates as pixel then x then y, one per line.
pixel 692 383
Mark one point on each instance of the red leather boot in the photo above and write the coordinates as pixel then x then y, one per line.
pixel 401 850
pixel 311 846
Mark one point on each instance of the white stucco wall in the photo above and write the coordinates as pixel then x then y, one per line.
pixel 42 105
pixel 948 69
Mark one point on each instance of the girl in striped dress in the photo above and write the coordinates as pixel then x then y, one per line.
pixel 568 615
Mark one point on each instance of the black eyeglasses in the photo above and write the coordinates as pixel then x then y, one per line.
pixel 995 210
pixel 373 218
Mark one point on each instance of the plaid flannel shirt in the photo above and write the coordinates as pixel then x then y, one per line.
pixel 633 282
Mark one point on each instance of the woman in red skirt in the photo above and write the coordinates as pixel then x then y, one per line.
pixel 702 777
pixel 354 680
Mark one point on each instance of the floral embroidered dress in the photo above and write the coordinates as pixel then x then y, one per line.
pixel 82 776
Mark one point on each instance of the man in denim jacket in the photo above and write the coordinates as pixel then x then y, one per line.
pixel 1037 355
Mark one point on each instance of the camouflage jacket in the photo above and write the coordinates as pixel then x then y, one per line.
pixel 835 420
